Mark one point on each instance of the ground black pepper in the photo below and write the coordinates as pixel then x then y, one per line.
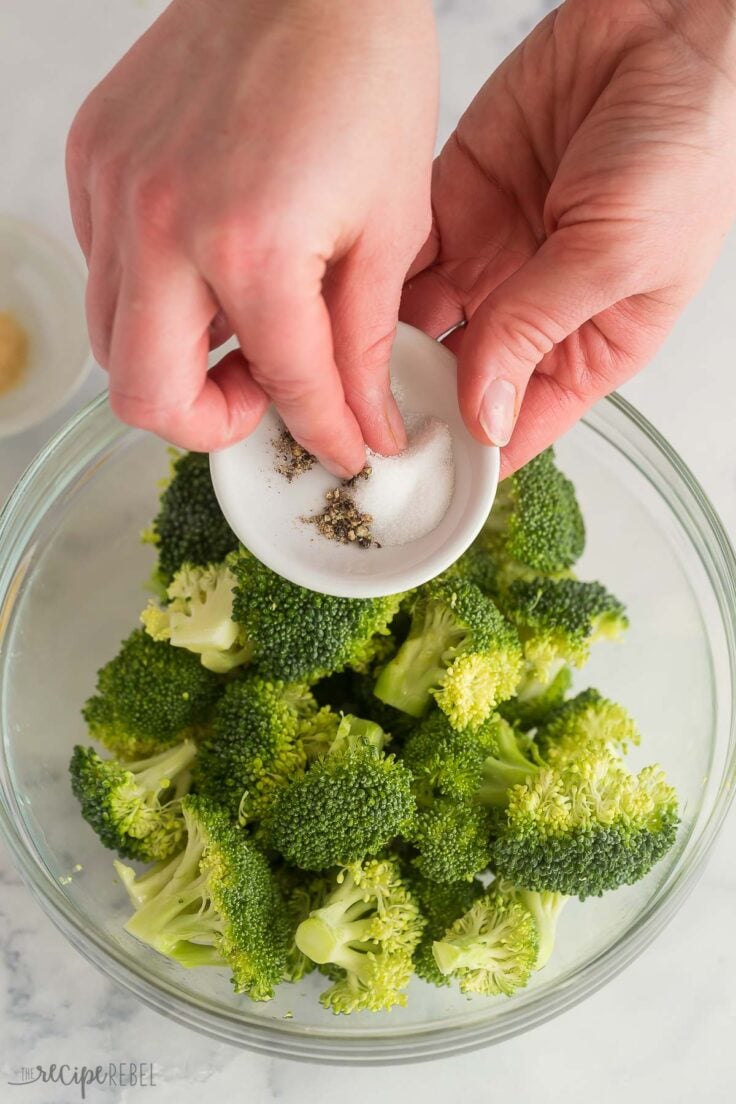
pixel 291 459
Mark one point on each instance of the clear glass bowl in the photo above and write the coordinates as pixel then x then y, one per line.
pixel 71 586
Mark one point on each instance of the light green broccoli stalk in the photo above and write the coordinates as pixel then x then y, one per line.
pixel 215 904
pixel 367 928
pixel 135 808
pixel 198 617
pixel 535 700
pixel 545 907
pixel 441 904
pixel 459 651
pixel 492 949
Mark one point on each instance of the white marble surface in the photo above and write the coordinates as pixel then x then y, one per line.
pixel 663 1031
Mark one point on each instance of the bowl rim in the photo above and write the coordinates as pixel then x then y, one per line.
pixel 289 1039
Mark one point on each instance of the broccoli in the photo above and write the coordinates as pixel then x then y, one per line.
pixel 460 651
pixel 476 565
pixel 545 907
pixel 446 762
pixel 134 808
pixel 255 746
pixel 587 722
pixel 452 840
pixel 367 928
pixel 441 904
pixel 299 635
pixel 535 526
pixel 190 526
pixel 198 617
pixel 349 804
pixel 329 733
pixel 149 697
pixel 216 904
pixel 302 892
pixel 492 949
pixel 578 824
pixel 354 691
pixel 559 619
pixel 536 700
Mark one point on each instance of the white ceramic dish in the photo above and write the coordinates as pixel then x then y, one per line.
pixel 42 285
pixel 265 511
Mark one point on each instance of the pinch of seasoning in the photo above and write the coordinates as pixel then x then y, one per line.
pixel 13 352
pixel 364 473
pixel 292 459
pixel 342 521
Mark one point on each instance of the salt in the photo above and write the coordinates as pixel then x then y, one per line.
pixel 408 495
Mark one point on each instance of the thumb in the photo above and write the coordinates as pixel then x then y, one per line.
pixel 569 280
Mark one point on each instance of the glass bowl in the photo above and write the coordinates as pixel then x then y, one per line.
pixel 72 574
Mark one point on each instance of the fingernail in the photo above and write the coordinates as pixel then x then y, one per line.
pixel 337 469
pixel 498 411
pixel 395 423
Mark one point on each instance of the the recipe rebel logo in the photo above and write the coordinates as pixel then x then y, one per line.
pixel 122 1075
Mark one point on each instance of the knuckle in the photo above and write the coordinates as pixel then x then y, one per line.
pixel 152 197
pixel 529 337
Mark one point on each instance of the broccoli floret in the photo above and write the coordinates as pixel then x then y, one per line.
pixel 447 762
pixel 135 808
pixel 349 804
pixel 149 697
pixel 588 722
pixel 452 840
pixel 535 700
pixel 330 733
pixel 545 907
pixel 441 904
pixel 559 619
pixel 579 824
pixel 492 949
pixel 190 526
pixel 477 565
pixel 353 692
pixel 535 525
pixel 460 651
pixel 367 928
pixel 198 617
pixel 302 893
pixel 300 635
pixel 217 904
pixel 255 748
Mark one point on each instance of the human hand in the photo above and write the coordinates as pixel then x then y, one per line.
pixel 578 206
pixel 269 165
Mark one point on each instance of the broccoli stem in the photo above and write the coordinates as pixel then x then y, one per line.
pixel 420 665
pixel 509 768
pixel 196 954
pixel 181 886
pixel 324 942
pixel 167 771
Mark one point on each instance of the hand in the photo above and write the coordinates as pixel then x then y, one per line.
pixel 579 204
pixel 264 169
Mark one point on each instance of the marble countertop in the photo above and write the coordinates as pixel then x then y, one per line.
pixel 661 1032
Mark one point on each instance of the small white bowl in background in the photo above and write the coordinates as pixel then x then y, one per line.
pixel 42 286
pixel 264 510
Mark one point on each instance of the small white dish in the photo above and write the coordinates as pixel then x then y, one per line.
pixel 265 511
pixel 42 286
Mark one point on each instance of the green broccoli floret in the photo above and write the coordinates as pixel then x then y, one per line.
pixel 459 651
pixel 441 904
pixel 535 700
pixel 451 838
pixel 477 565
pixel 300 635
pixel 447 762
pixel 367 928
pixel 559 619
pixel 578 824
pixel 349 804
pixel 302 892
pixel 353 692
pixel 190 526
pixel 588 722
pixel 149 697
pixel 135 808
pixel 329 733
pixel 198 617
pixel 492 949
pixel 535 526
pixel 255 748
pixel 217 904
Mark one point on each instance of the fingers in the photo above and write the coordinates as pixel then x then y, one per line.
pixel 565 283
pixel 363 302
pixel 158 364
pixel 277 310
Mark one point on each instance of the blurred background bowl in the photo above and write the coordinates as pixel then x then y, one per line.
pixel 42 287
pixel 72 574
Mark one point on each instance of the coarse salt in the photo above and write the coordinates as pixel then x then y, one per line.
pixel 409 494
